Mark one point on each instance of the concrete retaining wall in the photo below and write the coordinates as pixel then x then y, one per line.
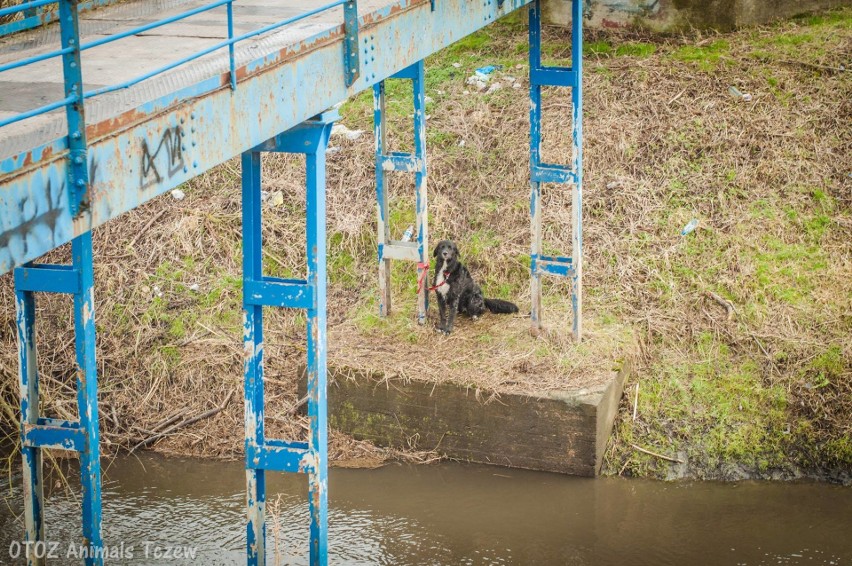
pixel 558 431
pixel 667 15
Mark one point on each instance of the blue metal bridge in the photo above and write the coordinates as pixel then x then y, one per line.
pixel 105 105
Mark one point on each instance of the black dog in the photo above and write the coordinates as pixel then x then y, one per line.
pixel 457 290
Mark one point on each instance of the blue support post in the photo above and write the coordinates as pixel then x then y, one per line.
pixel 311 458
pixel 317 348
pixel 38 433
pixel 253 340
pixel 549 173
pixel 577 194
pixel 390 249
pixel 78 167
pixel 87 393
pixel 32 461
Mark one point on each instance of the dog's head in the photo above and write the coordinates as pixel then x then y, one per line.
pixel 446 251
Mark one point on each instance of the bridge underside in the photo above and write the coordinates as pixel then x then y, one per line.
pixel 151 138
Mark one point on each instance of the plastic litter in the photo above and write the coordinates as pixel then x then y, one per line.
pixel 264 195
pixel 478 81
pixel 689 227
pixel 488 69
pixel 428 100
pixel 342 130
pixel 457 65
pixel 275 199
pixel 494 88
pixel 409 232
pixel 735 92
pixel 157 292
pixel 194 287
pixel 178 194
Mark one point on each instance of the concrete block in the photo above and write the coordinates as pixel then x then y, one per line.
pixel 558 431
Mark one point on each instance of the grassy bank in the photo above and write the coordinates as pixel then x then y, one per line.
pixel 744 324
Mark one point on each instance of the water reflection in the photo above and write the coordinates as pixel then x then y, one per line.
pixel 455 514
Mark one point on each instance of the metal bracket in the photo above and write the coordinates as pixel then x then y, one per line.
pixel 352 62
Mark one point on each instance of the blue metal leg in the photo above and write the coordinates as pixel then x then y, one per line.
pixel 548 173
pixel 32 470
pixel 311 458
pixel 411 163
pixel 37 432
pixel 383 235
pixel 535 159
pixel 421 195
pixel 87 394
pixel 316 366
pixel 253 364
pixel 577 195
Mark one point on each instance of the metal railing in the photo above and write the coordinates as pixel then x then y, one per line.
pixel 71 49
pixel 36 13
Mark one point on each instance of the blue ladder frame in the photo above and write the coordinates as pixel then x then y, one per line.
pixel 390 249
pixel 262 454
pixel 571 77
pixel 38 432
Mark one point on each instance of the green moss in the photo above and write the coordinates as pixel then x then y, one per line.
pixel 717 410
pixel 706 57
pixel 827 367
pixel 171 356
pixel 597 48
pixel 641 50
pixel 478 41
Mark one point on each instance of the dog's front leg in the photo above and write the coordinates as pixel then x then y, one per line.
pixel 451 318
pixel 442 312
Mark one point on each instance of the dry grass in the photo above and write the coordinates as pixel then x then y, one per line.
pixel 665 142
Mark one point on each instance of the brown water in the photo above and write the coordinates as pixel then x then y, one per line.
pixel 458 514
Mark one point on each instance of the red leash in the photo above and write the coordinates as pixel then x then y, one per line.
pixel 424 267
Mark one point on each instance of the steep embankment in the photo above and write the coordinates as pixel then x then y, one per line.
pixel 745 323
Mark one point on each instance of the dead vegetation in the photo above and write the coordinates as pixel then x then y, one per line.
pixel 767 387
